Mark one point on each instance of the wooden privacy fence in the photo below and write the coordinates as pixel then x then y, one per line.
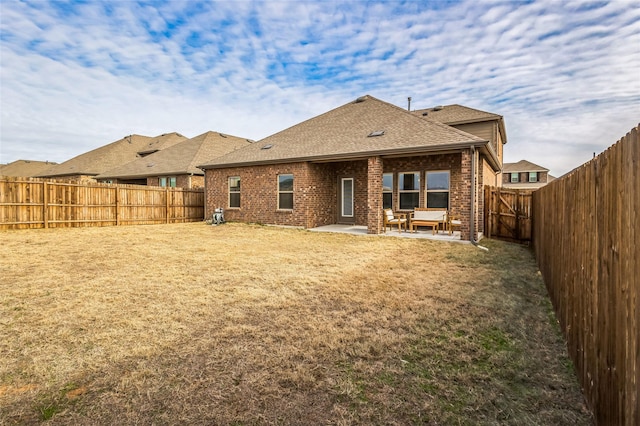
pixel 507 213
pixel 35 203
pixel 587 244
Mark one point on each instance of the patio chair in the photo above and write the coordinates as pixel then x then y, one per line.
pixel 391 219
pixel 453 221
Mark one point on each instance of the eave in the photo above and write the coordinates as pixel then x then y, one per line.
pixel 384 153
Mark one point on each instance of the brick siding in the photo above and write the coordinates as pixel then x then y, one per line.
pixel 316 187
pixel 523 177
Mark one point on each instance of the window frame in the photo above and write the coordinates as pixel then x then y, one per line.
pixel 343 199
pixel 515 177
pixel 280 192
pixel 533 175
pixel 166 181
pixel 428 191
pixel 233 191
pixel 402 191
pixel 390 191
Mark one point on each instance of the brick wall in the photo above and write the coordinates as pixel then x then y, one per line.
pixel 374 195
pixel 316 190
pixel 524 177
pixel 182 181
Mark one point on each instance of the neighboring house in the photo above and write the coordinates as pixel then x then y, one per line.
pixel 525 175
pixel 175 166
pixel 485 125
pixel 86 166
pixel 346 165
pixel 25 168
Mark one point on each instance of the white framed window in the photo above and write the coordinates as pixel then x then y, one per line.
pixel 285 192
pixel 169 181
pixel 387 190
pixel 437 189
pixel 409 190
pixel 533 176
pixel 234 192
pixel 515 177
pixel 347 197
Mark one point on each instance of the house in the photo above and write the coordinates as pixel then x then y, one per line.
pixel 346 165
pixel 175 166
pixel 525 175
pixel 85 167
pixel 25 168
pixel 485 125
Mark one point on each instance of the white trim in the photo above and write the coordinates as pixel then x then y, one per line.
pixel 285 192
pixel 342 197
pixel 427 190
pixel 408 191
pixel 234 192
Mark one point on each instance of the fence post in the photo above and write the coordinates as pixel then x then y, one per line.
pixel 45 205
pixel 167 194
pixel 117 189
pixel 517 233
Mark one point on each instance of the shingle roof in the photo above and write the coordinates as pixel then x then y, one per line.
pixel 342 133
pixel 455 114
pixel 182 158
pixel 522 166
pixel 114 154
pixel 25 168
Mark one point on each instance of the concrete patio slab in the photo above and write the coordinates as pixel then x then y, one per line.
pixel 362 230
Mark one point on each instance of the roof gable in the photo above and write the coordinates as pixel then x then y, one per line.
pixel 344 132
pixel 25 168
pixel 113 155
pixel 522 166
pixel 456 114
pixel 181 158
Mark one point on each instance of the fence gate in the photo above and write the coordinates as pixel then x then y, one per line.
pixel 507 213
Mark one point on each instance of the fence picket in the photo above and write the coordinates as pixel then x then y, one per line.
pixel 38 203
pixel 586 243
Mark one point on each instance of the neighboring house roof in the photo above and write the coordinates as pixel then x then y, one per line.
pixel 522 166
pixel 343 133
pixel 25 168
pixel 179 159
pixel 114 154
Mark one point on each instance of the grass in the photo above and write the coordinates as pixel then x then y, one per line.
pixel 251 325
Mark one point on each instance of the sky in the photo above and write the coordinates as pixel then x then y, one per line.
pixel 77 75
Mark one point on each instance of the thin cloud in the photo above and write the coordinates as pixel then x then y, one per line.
pixel 77 76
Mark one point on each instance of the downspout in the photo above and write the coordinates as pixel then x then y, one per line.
pixel 473 199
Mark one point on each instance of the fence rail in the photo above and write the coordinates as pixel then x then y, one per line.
pixel 37 203
pixel 587 243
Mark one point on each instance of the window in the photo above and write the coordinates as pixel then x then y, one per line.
pixel 438 190
pixel 533 176
pixel 387 191
pixel 234 192
pixel 168 181
pixel 409 190
pixel 515 178
pixel 285 192
pixel 347 197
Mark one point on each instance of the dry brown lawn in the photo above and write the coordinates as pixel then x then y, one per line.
pixel 252 325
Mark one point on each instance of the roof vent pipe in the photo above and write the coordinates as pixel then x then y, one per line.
pixel 409 105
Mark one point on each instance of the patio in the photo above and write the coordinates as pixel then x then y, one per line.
pixel 420 234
